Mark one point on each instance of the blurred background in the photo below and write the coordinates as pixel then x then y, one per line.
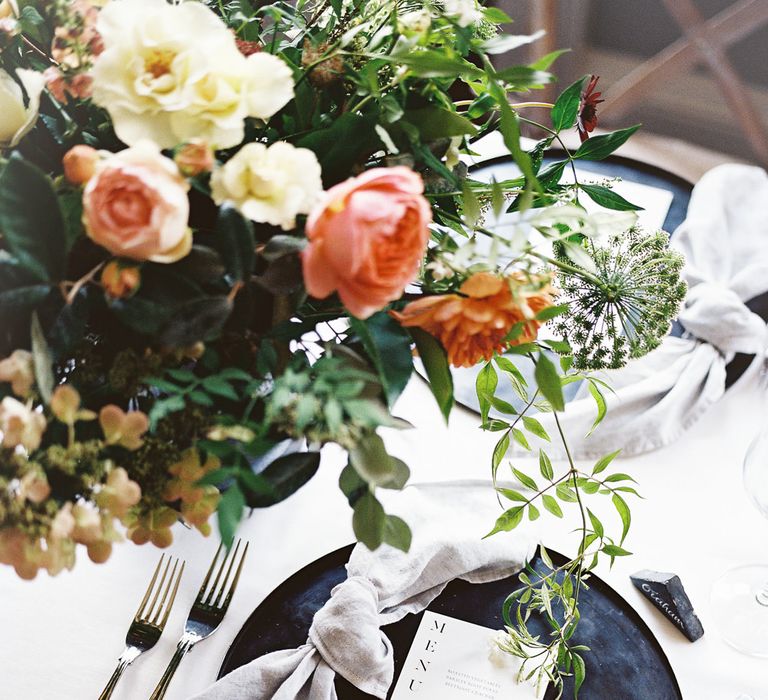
pixel 690 70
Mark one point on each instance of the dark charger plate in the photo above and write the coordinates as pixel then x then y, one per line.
pixel 625 662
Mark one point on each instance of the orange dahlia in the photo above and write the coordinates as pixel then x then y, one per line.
pixel 475 323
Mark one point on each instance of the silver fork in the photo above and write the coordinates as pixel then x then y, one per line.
pixel 207 611
pixel 149 621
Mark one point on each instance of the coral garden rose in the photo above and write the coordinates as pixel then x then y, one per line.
pixel 173 72
pixel 367 238
pixel 270 184
pixel 136 206
pixel 474 324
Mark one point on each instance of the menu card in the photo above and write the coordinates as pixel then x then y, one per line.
pixel 455 660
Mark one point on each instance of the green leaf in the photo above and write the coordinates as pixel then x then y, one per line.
pixel 551 312
pixel 566 493
pixel 70 325
pixel 545 466
pixel 401 472
pixel 508 520
pixel 235 243
pixel 533 512
pixel 435 361
pixel 597 526
pixel 369 456
pixel 352 484
pixel 285 475
pixel 534 427
pixel 552 505
pixel 613 550
pixel 501 449
pixel 512 495
pixel 31 220
pixel 566 108
pixel 388 345
pixel 470 205
pixel 579 673
pixel 43 360
pixel 281 245
pixel 435 64
pixel 509 125
pixel 230 512
pixel 602 407
pixel 369 521
pixel 220 387
pixel 548 382
pixel 345 143
pixel 618 477
pixel 485 386
pixel 525 480
pixel 397 534
pixel 23 297
pixel 436 123
pixel 623 510
pixel 603 462
pixel 546 61
pixel 519 437
pixel 195 320
pixel 599 147
pixel 521 77
pixel 606 197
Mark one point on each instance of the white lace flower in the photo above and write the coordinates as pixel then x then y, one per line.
pixel 465 12
pixel 270 185
pixel 172 72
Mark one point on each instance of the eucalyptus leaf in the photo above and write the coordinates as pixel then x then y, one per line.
pixel 369 521
pixel 435 361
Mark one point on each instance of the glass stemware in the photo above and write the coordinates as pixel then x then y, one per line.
pixel 740 596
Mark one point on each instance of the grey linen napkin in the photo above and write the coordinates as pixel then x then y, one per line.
pixel 448 521
pixel 724 239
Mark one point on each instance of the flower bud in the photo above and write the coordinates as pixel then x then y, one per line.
pixel 120 280
pixel 194 158
pixel 80 164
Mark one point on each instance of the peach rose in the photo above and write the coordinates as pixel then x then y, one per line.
pixel 136 206
pixel 367 238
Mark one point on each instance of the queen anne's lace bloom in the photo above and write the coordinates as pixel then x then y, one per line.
pixel 171 73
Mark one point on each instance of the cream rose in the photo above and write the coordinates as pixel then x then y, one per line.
pixel 173 72
pixel 20 425
pixel 16 118
pixel 136 206
pixel 270 185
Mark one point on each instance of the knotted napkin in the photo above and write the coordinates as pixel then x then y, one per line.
pixel 725 242
pixel 448 521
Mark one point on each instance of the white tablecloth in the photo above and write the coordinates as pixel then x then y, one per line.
pixel 59 638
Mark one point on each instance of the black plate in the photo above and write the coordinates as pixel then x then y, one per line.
pixel 626 661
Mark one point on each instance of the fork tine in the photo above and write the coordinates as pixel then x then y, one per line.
pixel 159 610
pixel 173 598
pixel 208 575
pixel 233 585
pixel 148 611
pixel 223 565
pixel 144 600
pixel 226 578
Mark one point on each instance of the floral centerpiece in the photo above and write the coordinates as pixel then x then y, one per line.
pixel 225 225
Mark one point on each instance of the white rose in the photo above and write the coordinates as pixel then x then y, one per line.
pixel 172 72
pixel 20 425
pixel 16 119
pixel 270 184
pixel 465 12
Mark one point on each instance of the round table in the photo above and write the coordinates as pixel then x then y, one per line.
pixel 60 637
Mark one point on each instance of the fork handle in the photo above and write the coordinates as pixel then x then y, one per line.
pixel 126 658
pixel 182 648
